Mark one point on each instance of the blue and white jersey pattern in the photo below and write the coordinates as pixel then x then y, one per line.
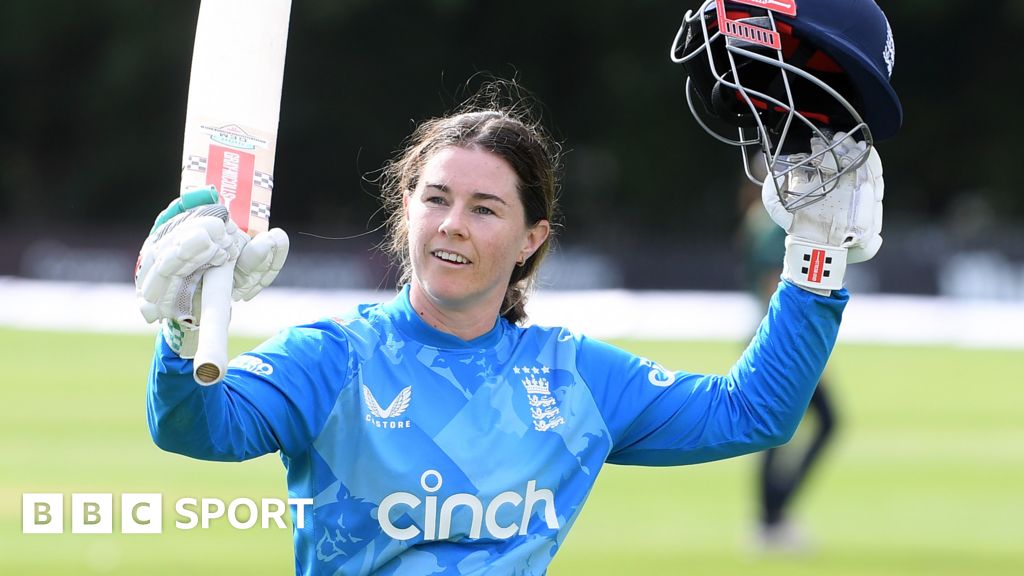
pixel 427 454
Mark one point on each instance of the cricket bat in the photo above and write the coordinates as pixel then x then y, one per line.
pixel 234 102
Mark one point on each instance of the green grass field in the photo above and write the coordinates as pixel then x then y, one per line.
pixel 926 475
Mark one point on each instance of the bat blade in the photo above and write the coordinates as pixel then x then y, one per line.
pixel 234 103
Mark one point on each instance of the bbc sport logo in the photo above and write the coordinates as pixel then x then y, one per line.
pixel 142 513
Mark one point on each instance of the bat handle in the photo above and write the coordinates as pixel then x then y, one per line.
pixel 211 359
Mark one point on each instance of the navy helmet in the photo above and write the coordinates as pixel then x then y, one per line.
pixel 768 75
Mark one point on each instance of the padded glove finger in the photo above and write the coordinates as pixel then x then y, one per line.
pixel 259 263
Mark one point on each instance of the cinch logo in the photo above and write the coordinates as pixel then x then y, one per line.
pixel 385 417
pixel 436 522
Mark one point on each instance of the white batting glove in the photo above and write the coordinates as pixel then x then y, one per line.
pixel 842 228
pixel 191 236
pixel 184 243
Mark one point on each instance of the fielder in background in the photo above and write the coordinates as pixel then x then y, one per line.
pixel 782 472
pixel 437 432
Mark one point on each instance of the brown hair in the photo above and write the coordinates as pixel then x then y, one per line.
pixel 499 121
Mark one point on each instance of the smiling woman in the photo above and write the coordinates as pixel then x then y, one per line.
pixel 464 243
pixel 490 175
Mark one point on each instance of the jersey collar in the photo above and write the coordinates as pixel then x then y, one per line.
pixel 407 321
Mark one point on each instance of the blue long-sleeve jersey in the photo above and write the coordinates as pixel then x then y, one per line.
pixel 428 454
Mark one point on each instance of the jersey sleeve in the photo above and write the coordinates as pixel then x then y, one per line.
pixel 657 417
pixel 274 398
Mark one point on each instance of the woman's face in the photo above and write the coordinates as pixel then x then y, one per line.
pixel 467 228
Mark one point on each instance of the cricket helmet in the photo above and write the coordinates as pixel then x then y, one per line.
pixel 770 75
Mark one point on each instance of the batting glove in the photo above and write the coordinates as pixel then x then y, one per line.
pixel 192 235
pixel 844 227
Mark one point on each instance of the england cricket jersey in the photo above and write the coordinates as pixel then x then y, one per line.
pixel 427 454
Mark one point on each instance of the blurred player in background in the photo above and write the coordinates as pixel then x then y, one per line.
pixel 782 471
pixel 437 432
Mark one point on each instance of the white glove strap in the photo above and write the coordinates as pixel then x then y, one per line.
pixel 813 266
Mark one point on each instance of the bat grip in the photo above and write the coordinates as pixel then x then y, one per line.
pixel 211 359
